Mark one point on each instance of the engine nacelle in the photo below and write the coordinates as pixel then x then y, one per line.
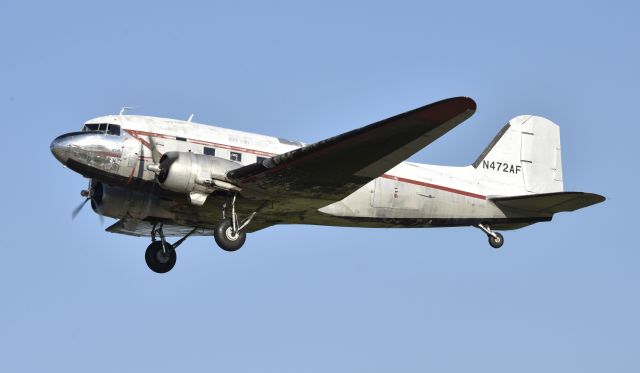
pixel 119 203
pixel 194 174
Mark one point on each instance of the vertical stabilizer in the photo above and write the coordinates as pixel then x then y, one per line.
pixel 523 158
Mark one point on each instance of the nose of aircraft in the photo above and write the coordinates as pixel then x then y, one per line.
pixel 60 148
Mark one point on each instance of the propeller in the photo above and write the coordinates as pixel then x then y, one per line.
pixel 161 162
pixel 155 154
pixel 77 210
pixel 157 157
pixel 161 168
pixel 93 193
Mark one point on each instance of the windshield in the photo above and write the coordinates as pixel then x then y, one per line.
pixel 109 129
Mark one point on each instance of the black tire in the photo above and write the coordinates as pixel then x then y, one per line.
pixel 157 260
pixel 225 238
pixel 496 242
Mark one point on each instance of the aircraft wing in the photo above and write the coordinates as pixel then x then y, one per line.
pixel 331 169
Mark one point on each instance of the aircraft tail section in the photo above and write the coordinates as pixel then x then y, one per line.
pixel 523 158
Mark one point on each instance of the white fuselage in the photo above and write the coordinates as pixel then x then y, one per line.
pixel 164 177
pixel 408 191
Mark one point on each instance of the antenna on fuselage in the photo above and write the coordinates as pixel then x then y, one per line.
pixel 190 117
pixel 125 108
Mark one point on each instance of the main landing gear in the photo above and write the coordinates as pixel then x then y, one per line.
pixel 228 233
pixel 495 239
pixel 161 255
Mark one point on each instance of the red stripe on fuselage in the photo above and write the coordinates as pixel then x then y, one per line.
pixel 434 186
pixel 138 135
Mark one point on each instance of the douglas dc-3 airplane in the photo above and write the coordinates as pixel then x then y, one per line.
pixel 163 177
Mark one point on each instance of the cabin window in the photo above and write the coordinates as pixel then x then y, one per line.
pixel 260 159
pixel 236 157
pixel 181 139
pixel 209 151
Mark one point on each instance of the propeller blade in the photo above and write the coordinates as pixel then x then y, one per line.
pixel 155 154
pixel 99 212
pixel 75 211
pixel 148 202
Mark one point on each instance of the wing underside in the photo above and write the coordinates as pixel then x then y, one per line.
pixel 142 228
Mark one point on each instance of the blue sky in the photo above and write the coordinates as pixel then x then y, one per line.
pixel 558 297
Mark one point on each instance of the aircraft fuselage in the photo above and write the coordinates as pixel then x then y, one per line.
pixel 163 177
pixel 408 195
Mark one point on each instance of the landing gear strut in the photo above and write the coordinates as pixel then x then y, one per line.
pixel 161 255
pixel 228 233
pixel 495 239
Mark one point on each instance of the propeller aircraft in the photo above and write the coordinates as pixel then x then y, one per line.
pixel 164 177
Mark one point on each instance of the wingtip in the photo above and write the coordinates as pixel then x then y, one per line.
pixel 599 198
pixel 461 103
pixel 472 103
pixel 444 110
pixel 468 102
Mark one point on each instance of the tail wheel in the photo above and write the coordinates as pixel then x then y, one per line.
pixel 497 241
pixel 158 259
pixel 226 238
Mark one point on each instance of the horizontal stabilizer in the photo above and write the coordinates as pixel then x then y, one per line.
pixel 549 202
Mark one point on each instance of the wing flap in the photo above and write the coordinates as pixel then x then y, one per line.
pixel 549 203
pixel 331 169
pixel 141 228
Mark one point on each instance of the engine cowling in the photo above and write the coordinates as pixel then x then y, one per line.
pixel 194 174
pixel 120 203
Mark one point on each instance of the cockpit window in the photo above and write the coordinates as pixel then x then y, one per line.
pixel 114 129
pixel 110 129
pixel 90 127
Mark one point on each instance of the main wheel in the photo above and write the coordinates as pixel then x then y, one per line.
pixel 223 234
pixel 156 258
pixel 497 241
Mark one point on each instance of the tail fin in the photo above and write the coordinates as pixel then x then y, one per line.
pixel 523 158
